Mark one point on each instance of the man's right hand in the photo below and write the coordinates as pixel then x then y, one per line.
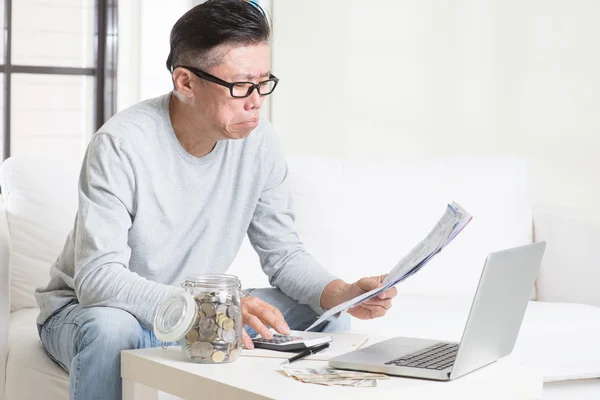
pixel 260 315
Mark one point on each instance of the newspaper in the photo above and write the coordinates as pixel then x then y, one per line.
pixel 334 377
pixel 453 221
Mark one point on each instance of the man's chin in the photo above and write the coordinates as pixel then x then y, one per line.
pixel 242 134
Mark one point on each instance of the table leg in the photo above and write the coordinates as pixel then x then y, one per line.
pixel 137 391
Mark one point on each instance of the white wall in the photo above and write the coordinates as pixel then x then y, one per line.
pixel 413 78
pixel 129 53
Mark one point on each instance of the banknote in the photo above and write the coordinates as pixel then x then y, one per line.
pixel 331 372
pixel 334 377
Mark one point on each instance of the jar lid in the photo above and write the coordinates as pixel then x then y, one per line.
pixel 175 317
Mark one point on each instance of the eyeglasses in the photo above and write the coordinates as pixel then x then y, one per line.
pixel 239 90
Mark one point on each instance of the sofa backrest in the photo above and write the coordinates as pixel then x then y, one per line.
pixel 40 202
pixel 358 218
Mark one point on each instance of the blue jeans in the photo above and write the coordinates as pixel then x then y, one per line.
pixel 87 342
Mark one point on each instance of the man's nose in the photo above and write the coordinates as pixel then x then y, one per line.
pixel 254 101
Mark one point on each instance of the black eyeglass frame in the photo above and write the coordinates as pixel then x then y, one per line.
pixel 211 78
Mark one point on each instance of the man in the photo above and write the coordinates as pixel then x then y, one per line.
pixel 168 188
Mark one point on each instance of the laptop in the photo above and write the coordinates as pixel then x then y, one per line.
pixel 490 333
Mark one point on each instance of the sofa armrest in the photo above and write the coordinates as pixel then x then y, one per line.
pixel 570 270
pixel 4 295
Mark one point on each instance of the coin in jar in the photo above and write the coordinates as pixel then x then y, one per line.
pixel 235 348
pixel 205 349
pixel 227 324
pixel 208 324
pixel 219 318
pixel 234 354
pixel 193 335
pixel 232 311
pixel 218 356
pixel 208 309
pixel 195 349
pixel 227 336
pixel 208 336
pixel 222 309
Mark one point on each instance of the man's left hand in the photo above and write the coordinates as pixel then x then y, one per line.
pixel 338 291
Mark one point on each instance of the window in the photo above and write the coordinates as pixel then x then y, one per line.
pixel 58 75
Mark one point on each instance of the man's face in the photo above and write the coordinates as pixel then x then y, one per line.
pixel 228 117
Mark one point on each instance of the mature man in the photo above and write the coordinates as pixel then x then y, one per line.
pixel 169 187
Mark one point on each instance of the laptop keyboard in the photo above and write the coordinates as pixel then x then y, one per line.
pixel 439 356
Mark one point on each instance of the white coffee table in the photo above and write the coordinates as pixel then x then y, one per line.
pixel 147 371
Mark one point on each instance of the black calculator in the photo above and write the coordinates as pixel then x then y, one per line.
pixel 289 343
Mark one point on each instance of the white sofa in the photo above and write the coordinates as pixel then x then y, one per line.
pixel 358 218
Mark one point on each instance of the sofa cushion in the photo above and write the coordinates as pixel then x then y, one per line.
pixel 561 340
pixel 30 373
pixel 580 389
pixel 558 339
pixel 40 201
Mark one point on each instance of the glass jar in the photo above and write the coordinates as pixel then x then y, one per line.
pixel 206 319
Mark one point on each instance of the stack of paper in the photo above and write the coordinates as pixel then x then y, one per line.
pixel 453 221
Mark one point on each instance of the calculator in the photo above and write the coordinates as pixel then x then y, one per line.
pixel 289 343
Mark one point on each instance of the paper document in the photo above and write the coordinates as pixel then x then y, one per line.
pixel 453 221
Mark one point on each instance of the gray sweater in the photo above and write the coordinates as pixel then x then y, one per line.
pixel 150 213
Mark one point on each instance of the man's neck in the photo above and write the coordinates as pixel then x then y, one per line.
pixel 188 134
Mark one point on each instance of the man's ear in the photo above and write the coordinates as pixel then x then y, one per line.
pixel 182 81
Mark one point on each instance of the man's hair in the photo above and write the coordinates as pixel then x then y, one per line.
pixel 199 31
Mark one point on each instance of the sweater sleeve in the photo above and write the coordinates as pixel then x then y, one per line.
pixel 273 235
pixel 106 209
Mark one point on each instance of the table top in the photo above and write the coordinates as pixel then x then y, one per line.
pixel 262 378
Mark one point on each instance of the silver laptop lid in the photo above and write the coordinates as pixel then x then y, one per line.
pixel 504 289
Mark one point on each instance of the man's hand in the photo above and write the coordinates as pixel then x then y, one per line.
pixel 260 315
pixel 338 291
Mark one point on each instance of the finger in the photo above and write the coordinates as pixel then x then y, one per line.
pixel 367 284
pixel 387 303
pixel 282 327
pixel 256 323
pixel 389 294
pixel 246 340
pixel 268 314
pixel 271 316
pixel 376 311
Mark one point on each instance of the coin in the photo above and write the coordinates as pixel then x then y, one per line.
pixel 222 309
pixel 232 311
pixel 208 309
pixel 207 324
pixel 195 349
pixel 208 336
pixel 237 319
pixel 193 335
pixel 205 349
pixel 219 318
pixel 234 354
pixel 227 324
pixel 218 356
pixel 228 336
